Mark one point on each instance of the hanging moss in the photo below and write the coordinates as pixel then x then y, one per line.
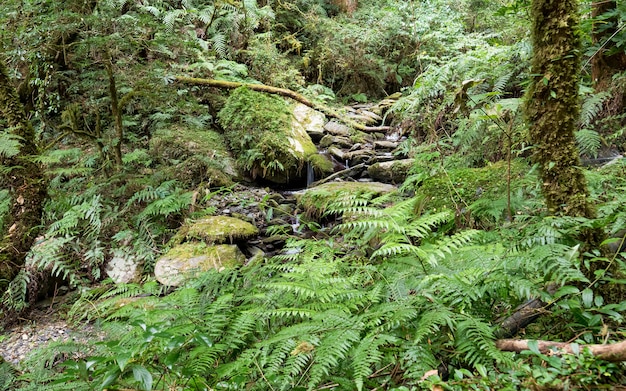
pixel 552 106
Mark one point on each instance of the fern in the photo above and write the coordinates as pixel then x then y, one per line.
pixel 9 145
pixel 589 142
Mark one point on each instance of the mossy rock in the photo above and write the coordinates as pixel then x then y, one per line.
pixel 465 186
pixel 217 229
pixel 192 258
pixel 260 131
pixel 315 201
pixel 194 156
pixel 394 171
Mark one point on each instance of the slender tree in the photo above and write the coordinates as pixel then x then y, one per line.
pixel 24 180
pixel 552 106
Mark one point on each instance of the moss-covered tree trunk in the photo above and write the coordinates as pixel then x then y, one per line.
pixel 24 181
pixel 553 106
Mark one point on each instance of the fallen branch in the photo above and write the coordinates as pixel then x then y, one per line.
pixel 348 172
pixel 613 352
pixel 282 92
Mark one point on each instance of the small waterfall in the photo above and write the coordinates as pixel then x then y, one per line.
pixel 347 164
pixel 310 174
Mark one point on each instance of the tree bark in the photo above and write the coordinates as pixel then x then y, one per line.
pixel 282 92
pixel 24 181
pixel 116 112
pixel 613 352
pixel 553 106
pixel 348 6
pixel 605 63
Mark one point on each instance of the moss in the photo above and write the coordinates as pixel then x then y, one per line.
pixel 314 201
pixel 322 165
pixel 193 156
pixel 466 185
pixel 218 229
pixel 189 259
pixel 553 106
pixel 259 129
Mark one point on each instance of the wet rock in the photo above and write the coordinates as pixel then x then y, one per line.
pixel 394 171
pixel 339 141
pixel 336 153
pixel 190 259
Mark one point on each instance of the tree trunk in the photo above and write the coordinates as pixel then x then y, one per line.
pixel 553 106
pixel 348 6
pixel 116 112
pixel 24 181
pixel 605 62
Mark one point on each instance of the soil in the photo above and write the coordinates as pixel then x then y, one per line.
pixel 46 324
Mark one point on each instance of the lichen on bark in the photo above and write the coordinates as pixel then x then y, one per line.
pixel 552 106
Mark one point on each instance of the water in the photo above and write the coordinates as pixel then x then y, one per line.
pixel 310 174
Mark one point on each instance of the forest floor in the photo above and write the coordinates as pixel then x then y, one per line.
pixel 46 324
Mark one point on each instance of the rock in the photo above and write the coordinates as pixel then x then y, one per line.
pixel 394 171
pixel 190 259
pixel 358 157
pixel 217 230
pixel 123 269
pixel 337 153
pixel 193 156
pixel 314 201
pixel 310 120
pixel 337 129
pixel 339 141
pixel 266 137
pixel 385 145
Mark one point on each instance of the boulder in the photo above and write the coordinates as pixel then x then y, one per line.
pixel 394 171
pixel 310 120
pixel 190 259
pixel 314 201
pixel 123 269
pixel 267 139
pixel 217 230
pixel 337 129
pixel 194 156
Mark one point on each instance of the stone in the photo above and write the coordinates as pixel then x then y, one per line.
pixel 337 153
pixel 269 140
pixel 338 141
pixel 310 120
pixel 394 171
pixel 385 145
pixel 337 129
pixel 124 269
pixel 358 157
pixel 189 259
pixel 217 230
pixel 314 201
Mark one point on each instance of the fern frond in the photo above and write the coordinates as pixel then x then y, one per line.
pixel 589 142
pixel 9 145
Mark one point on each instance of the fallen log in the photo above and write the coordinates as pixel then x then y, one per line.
pixel 614 352
pixel 282 92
